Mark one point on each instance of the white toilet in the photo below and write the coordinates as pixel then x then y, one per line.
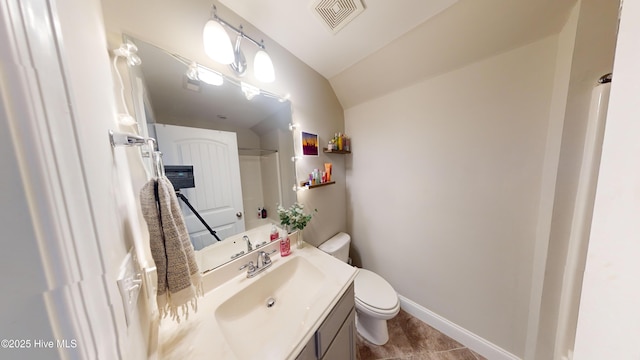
pixel 376 301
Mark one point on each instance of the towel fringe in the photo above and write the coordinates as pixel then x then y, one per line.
pixel 177 312
pixel 172 251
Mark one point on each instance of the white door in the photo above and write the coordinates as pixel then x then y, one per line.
pixel 217 195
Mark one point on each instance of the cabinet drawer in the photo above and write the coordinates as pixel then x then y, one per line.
pixel 334 321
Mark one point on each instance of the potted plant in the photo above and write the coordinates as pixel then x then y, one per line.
pixel 294 220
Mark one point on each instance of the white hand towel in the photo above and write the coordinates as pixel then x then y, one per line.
pixel 179 279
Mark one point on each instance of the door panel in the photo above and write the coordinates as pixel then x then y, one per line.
pixel 217 194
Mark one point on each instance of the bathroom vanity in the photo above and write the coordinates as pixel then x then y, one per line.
pixel 301 307
pixel 336 337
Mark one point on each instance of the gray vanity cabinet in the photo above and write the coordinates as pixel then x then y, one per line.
pixel 344 344
pixel 336 337
pixel 309 351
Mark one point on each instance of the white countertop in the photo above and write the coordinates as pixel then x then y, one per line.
pixel 202 337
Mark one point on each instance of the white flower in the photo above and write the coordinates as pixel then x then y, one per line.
pixel 294 218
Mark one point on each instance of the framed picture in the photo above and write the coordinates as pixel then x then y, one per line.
pixel 309 144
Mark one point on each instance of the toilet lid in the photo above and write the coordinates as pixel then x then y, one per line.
pixel 373 290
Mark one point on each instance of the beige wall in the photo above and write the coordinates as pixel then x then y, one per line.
pixel 444 188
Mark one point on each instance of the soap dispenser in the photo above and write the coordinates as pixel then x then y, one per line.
pixel 285 245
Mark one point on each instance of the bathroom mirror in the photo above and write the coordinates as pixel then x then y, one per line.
pixel 178 107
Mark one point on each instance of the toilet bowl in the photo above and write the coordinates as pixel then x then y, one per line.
pixel 376 300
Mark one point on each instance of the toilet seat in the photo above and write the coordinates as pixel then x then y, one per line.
pixel 375 295
pixel 375 312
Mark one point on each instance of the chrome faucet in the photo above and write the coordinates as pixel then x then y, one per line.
pixel 253 270
pixel 266 260
pixel 249 246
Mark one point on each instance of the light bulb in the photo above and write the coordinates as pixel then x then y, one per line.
pixel 263 67
pixel 217 44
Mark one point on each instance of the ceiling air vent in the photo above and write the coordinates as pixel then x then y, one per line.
pixel 335 14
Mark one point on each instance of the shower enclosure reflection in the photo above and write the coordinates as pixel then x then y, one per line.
pixel 238 143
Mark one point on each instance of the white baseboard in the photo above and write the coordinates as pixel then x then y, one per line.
pixel 458 333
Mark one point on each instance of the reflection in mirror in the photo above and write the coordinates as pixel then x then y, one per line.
pixel 238 141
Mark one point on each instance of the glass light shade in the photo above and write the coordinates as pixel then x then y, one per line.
pixel 217 44
pixel 263 67
pixel 209 77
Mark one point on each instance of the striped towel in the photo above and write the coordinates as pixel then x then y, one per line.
pixel 179 280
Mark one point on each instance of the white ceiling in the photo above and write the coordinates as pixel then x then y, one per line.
pixel 294 26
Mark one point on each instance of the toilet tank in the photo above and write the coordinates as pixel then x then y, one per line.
pixel 337 246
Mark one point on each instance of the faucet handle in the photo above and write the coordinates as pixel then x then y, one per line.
pixel 265 256
pixel 249 266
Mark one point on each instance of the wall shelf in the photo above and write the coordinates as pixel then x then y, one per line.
pixel 335 151
pixel 319 185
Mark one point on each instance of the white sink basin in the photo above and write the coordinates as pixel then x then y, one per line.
pixel 234 322
pixel 278 301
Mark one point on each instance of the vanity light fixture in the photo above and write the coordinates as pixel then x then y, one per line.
pixel 197 72
pixel 128 51
pixel 210 77
pixel 206 75
pixel 201 73
pixel 217 46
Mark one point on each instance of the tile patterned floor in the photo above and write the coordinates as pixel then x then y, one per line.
pixel 411 339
